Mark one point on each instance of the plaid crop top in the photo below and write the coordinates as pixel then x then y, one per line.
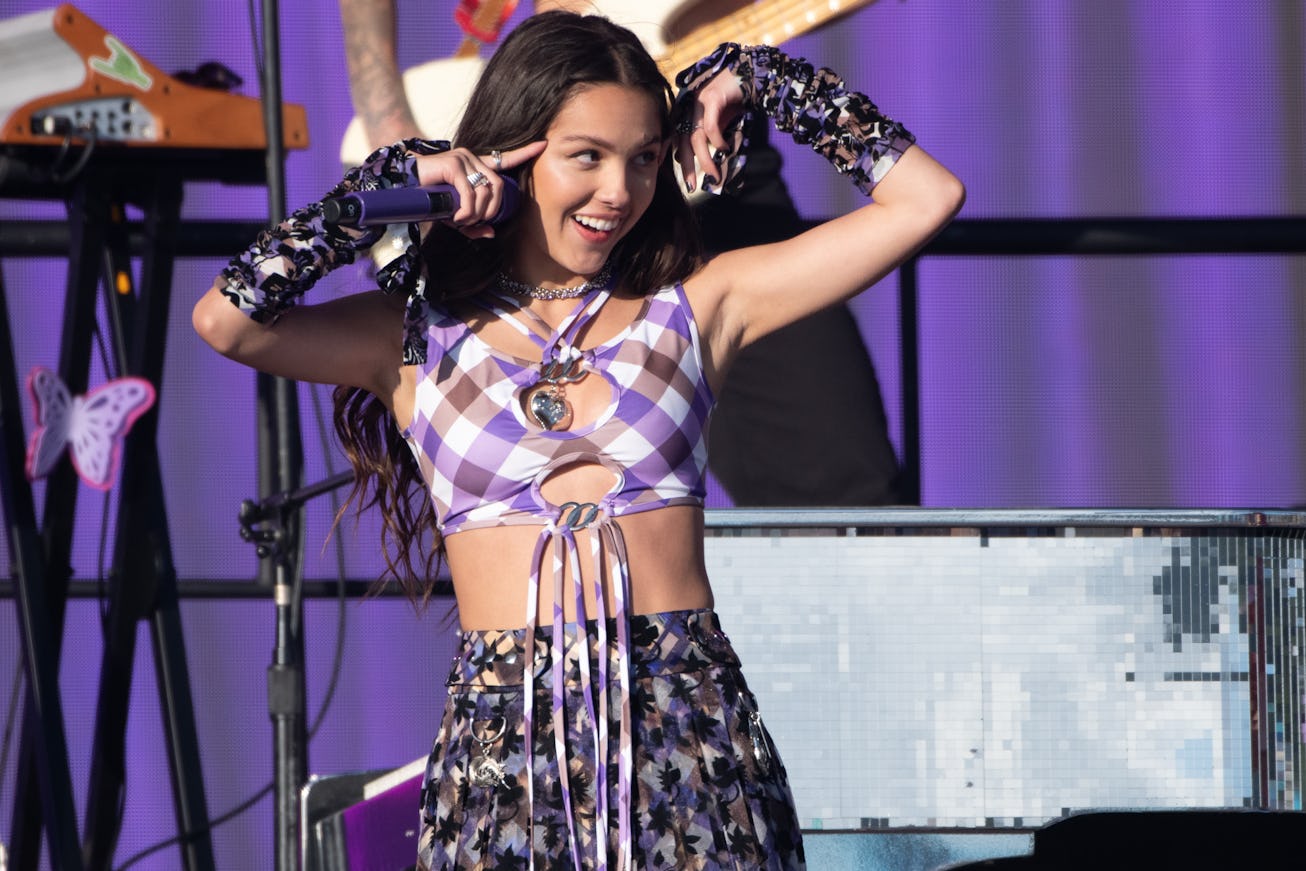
pixel 484 460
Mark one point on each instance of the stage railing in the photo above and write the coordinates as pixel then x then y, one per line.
pixel 1036 237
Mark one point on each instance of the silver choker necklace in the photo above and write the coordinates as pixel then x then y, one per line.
pixel 518 288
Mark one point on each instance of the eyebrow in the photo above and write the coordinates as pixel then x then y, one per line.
pixel 603 143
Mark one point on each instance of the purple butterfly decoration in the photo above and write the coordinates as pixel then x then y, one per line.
pixel 91 427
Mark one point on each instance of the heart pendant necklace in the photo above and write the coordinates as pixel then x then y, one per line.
pixel 544 401
pixel 547 400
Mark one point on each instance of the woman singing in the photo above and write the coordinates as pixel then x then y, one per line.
pixel 528 400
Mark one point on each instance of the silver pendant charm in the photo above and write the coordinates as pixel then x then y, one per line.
pixel 549 408
pixel 546 402
pixel 486 772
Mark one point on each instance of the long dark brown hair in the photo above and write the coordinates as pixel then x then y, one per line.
pixel 545 61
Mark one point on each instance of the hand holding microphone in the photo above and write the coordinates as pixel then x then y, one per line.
pixel 436 202
pixel 458 188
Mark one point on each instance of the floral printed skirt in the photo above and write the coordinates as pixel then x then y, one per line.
pixel 708 789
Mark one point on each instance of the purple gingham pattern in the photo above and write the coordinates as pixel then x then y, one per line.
pixel 484 463
pixel 482 457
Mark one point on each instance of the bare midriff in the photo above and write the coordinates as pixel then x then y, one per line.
pixel 491 569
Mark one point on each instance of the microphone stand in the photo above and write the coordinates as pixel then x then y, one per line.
pixel 274 526
pixel 263 523
pixel 280 456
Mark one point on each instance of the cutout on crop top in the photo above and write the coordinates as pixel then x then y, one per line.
pixel 481 454
pixel 548 403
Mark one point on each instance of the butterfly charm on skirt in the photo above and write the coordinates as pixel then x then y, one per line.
pixel 91 427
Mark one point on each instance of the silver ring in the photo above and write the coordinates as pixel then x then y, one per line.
pixel 478 178
pixel 497 156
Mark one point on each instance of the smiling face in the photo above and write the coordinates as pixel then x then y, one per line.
pixel 590 186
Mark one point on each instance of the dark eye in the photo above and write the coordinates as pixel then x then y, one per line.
pixel 589 155
pixel 647 158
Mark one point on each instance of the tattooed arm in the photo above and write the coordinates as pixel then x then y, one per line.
pixel 374 80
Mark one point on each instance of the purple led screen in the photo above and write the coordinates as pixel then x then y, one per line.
pixel 1045 381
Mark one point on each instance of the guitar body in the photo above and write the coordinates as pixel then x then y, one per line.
pixel 438 90
pixel 650 20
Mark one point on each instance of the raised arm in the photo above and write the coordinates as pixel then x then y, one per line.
pixel 252 312
pixel 745 294
pixel 375 83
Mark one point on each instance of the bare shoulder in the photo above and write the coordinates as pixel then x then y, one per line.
pixel 354 340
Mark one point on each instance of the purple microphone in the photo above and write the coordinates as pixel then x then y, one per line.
pixel 409 205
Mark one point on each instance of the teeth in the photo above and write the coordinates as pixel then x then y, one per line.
pixel 596 224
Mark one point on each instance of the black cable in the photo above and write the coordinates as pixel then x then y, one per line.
pixel 101 582
pixel 101 588
pixel 207 827
pixel 297 592
pixel 336 665
pixel 92 139
pixel 256 40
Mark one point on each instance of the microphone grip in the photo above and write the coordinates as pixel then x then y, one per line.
pixel 404 205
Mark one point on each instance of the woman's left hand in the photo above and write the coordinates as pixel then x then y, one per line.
pixel 701 140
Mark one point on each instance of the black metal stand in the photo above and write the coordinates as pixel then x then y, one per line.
pixel 281 471
pixel 287 701
pixel 43 787
pixel 1051 237
pixel 271 525
pixel 909 357
pixel 142 583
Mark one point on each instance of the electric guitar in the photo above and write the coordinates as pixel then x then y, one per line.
pixel 438 90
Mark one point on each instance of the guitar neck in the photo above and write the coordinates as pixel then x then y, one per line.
pixel 769 22
pixel 438 90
